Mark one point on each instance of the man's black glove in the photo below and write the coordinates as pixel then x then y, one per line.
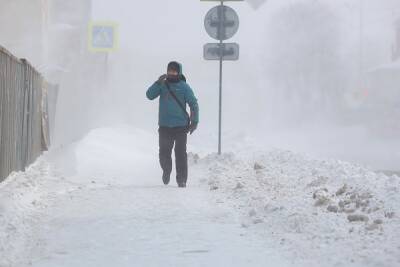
pixel 162 78
pixel 192 127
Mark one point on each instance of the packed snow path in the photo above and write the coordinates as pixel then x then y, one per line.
pixel 112 213
pixel 145 226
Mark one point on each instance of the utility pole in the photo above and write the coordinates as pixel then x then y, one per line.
pixel 361 44
pixel 396 47
pixel 45 10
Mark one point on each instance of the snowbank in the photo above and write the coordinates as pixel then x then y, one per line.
pixel 319 212
pixel 20 208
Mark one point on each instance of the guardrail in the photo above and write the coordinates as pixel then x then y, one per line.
pixel 24 117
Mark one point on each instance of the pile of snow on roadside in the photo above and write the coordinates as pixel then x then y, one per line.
pixel 20 206
pixel 333 211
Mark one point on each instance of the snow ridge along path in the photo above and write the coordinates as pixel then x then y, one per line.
pixel 318 212
pixel 22 201
pixel 99 202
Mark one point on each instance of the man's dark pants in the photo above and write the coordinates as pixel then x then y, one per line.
pixel 167 138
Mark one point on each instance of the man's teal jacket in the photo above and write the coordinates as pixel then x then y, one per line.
pixel 170 114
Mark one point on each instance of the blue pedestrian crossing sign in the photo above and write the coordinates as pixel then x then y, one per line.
pixel 103 36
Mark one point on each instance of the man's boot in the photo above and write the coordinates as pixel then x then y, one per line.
pixel 166 178
pixel 182 185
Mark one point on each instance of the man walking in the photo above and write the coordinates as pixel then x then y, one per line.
pixel 174 121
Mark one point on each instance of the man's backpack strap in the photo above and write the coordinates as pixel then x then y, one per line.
pixel 178 102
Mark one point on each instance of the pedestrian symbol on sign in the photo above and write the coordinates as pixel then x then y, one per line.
pixel 102 37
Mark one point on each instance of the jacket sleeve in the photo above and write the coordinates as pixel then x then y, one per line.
pixel 154 91
pixel 193 104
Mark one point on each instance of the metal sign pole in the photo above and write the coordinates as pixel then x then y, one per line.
pixel 221 23
pixel 220 29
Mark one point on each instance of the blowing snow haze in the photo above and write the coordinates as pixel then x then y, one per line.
pixel 307 78
pixel 310 135
pixel 314 76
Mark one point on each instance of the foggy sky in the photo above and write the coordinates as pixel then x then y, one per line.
pixel 310 110
pixel 151 34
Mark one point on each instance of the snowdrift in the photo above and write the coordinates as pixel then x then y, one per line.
pixel 320 212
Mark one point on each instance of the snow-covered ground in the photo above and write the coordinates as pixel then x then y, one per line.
pixel 100 202
pixel 21 205
pixel 317 212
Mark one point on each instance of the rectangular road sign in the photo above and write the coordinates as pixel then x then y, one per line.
pixel 103 36
pixel 230 51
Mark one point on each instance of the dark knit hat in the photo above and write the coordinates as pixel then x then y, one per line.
pixel 173 65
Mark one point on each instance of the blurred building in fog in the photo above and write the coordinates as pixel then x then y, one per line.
pixel 79 72
pixel 396 47
pixel 22 28
pixel 67 24
pixel 53 36
pixel 68 37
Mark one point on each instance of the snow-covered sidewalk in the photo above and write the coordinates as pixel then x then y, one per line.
pixel 103 204
pixel 146 226
pixel 100 202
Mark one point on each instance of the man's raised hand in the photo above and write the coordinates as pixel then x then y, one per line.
pixel 162 78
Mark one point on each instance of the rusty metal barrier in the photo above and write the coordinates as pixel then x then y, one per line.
pixel 23 136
